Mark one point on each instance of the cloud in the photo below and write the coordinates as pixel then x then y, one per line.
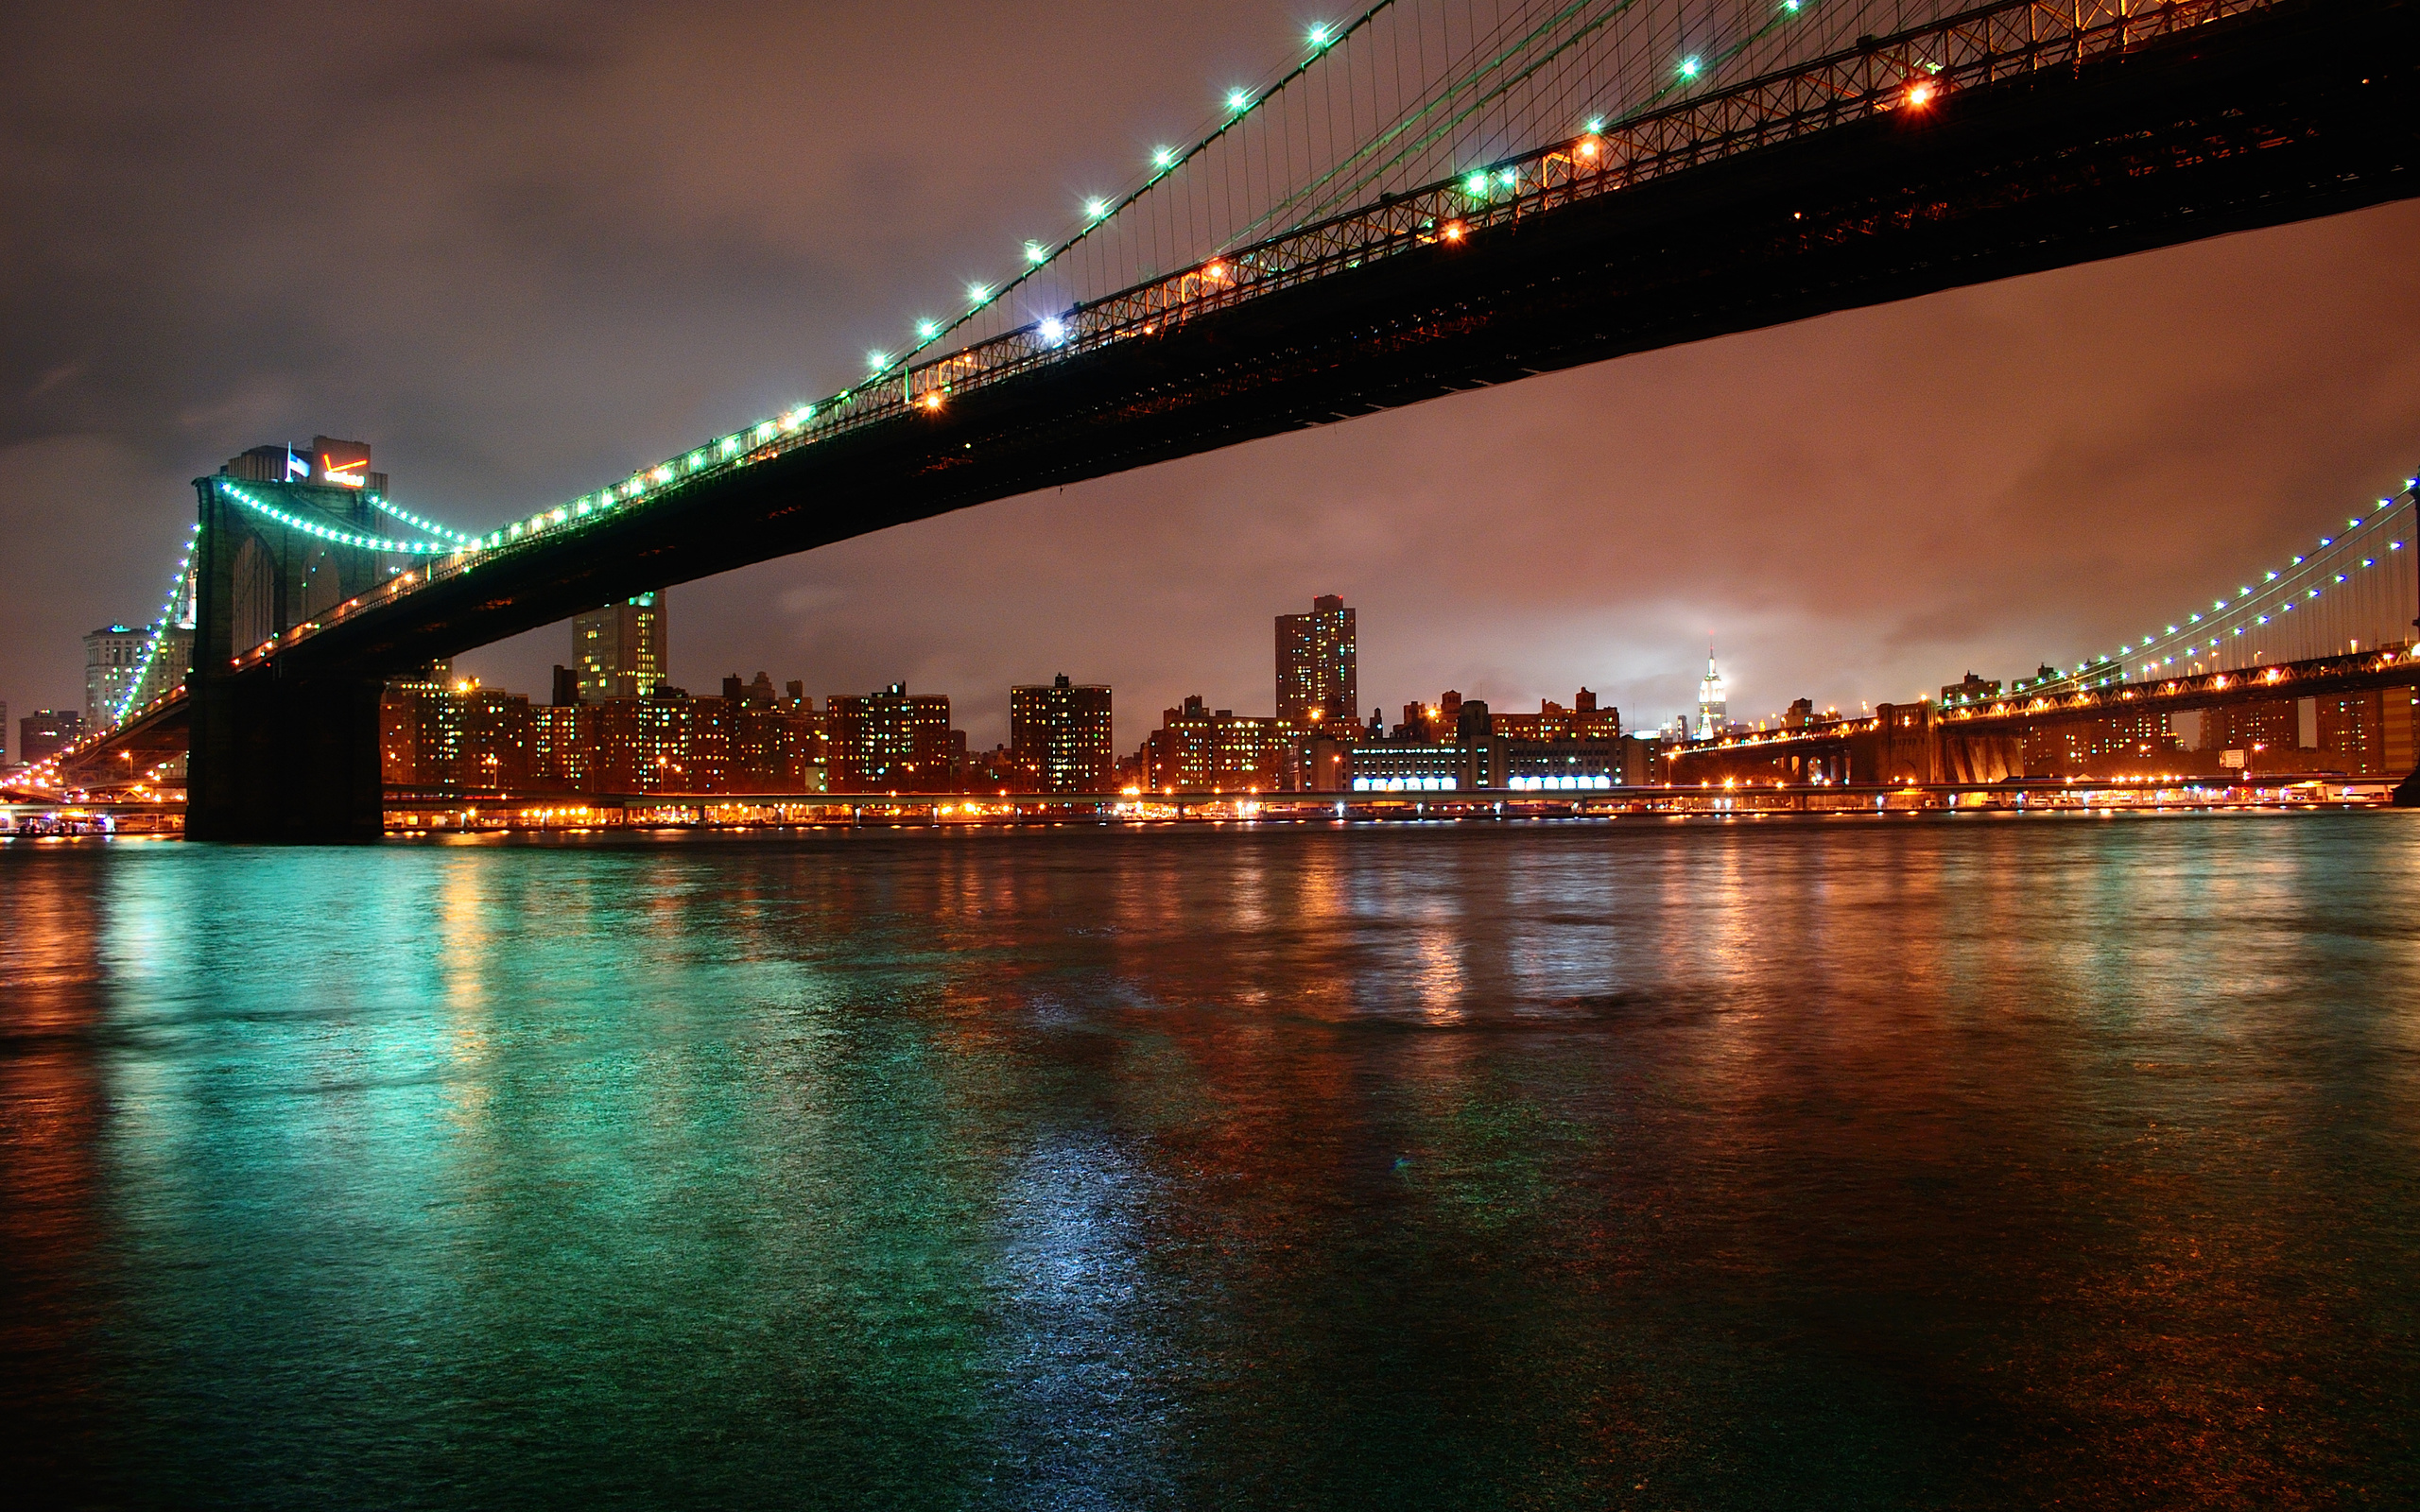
pixel 521 249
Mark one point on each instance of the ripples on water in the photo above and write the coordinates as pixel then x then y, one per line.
pixel 1822 1164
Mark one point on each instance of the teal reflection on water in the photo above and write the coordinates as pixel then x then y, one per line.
pixel 1869 1163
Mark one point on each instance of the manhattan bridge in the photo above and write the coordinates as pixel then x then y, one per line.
pixel 1430 196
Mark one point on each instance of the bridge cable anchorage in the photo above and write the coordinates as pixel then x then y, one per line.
pixel 1387 134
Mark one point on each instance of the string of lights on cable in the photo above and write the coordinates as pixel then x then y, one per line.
pixel 1408 103
pixel 160 626
pixel 1404 93
pixel 329 533
pixel 2356 587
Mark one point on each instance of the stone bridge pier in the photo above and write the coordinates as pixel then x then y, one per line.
pixel 278 758
pixel 280 753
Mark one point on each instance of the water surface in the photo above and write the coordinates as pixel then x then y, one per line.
pixel 1953 1162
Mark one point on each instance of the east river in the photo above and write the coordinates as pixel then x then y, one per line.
pixel 1933 1162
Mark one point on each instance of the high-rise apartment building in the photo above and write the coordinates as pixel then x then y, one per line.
pixel 2080 746
pixel 641 745
pixel 420 729
pixel 1062 732
pixel 169 665
pixel 122 671
pixel 749 740
pixel 1970 689
pixel 2366 734
pixel 2274 724
pixel 1316 664
pixel 622 650
pixel 1198 749
pixel 893 742
pixel 112 661
pixel 42 734
pixel 126 666
pixel 774 742
pixel 559 757
pixel 493 739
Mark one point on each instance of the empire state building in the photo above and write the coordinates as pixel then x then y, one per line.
pixel 1714 715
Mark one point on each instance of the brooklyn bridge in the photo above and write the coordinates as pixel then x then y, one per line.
pixel 1404 213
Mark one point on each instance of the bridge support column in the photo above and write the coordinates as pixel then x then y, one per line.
pixel 285 761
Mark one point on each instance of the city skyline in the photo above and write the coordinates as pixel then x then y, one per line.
pixel 1808 468
pixel 1455 753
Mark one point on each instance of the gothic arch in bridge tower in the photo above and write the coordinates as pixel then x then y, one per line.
pixel 275 754
pixel 252 585
pixel 326 582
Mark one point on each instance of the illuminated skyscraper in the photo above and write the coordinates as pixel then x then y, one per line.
pixel 621 651
pixel 112 660
pixel 124 669
pixel 1316 664
pixel 1713 712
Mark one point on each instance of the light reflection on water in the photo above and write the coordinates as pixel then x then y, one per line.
pixel 1863 1163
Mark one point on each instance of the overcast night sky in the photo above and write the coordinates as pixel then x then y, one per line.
pixel 523 248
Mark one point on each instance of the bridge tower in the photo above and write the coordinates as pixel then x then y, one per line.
pixel 276 754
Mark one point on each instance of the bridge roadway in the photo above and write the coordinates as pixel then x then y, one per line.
pixel 1855 750
pixel 428 811
pixel 2296 109
pixel 1928 742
